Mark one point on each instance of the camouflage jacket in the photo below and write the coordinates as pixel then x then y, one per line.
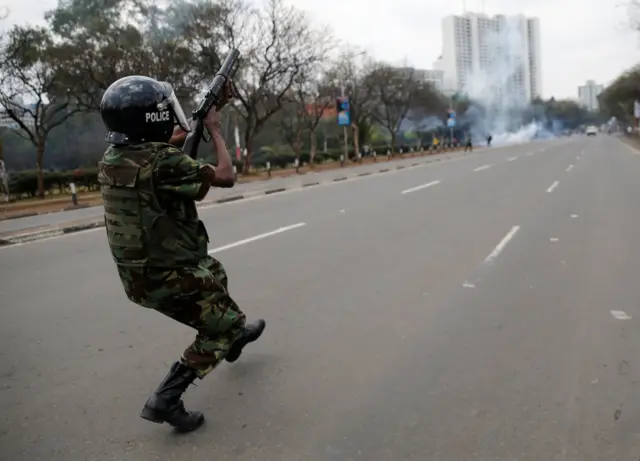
pixel 149 192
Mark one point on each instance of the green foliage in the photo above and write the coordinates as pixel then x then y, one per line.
pixel 26 183
pixel 617 99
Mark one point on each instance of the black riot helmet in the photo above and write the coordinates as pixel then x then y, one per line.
pixel 140 109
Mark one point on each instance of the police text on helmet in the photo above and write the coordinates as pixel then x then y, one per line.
pixel 158 116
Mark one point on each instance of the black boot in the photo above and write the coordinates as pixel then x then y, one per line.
pixel 252 331
pixel 166 406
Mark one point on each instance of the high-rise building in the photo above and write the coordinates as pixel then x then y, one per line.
pixel 588 95
pixel 498 54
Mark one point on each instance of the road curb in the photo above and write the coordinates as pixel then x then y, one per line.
pixel 275 191
pixel 30 237
pixel 23 215
pixel 37 213
pixel 81 227
pixel 48 233
pixel 229 199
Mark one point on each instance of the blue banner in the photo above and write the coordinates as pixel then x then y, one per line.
pixel 344 112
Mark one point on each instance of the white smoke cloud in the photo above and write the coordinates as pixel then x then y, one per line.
pixel 497 84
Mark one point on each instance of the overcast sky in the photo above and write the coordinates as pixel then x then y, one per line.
pixel 580 39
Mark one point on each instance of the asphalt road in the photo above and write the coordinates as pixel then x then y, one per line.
pixel 250 188
pixel 482 308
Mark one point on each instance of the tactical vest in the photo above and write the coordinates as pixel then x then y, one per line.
pixel 141 230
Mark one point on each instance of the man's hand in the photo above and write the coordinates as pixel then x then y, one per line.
pixel 208 173
pixel 178 136
pixel 212 120
pixel 228 93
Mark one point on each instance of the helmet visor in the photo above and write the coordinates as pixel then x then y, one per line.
pixel 172 101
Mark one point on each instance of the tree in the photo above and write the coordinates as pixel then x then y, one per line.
pixel 350 73
pixel 293 116
pixel 278 44
pixel 395 92
pixel 319 99
pixel 118 38
pixel 31 90
pixel 310 97
pixel 618 98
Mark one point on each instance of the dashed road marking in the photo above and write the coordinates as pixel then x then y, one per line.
pixel 553 186
pixel 483 167
pixel 503 243
pixel 620 315
pixel 257 237
pixel 569 168
pixel 420 187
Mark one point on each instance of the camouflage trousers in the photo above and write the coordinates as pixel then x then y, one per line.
pixel 194 296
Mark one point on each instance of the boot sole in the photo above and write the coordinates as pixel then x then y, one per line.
pixel 233 356
pixel 151 415
pixel 154 417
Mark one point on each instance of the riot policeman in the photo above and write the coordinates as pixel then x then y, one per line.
pixel 150 188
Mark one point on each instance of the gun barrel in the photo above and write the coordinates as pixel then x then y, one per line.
pixel 229 63
pixel 213 92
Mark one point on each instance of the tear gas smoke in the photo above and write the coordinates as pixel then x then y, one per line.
pixel 497 85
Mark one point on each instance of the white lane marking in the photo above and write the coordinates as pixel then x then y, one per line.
pixel 468 285
pixel 569 168
pixel 511 159
pixel 423 186
pixel 620 315
pixel 343 211
pixel 553 239
pixel 553 186
pixel 529 154
pixel 483 167
pixel 503 243
pixel 574 216
pixel 257 237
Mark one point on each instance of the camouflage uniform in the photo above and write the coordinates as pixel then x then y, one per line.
pixel 160 245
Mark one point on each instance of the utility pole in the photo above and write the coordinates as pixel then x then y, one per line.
pixel 344 128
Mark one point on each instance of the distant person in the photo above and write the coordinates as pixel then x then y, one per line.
pixel 468 145
pixel 489 138
pixel 149 190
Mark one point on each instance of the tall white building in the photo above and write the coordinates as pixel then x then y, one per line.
pixel 588 95
pixel 498 55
